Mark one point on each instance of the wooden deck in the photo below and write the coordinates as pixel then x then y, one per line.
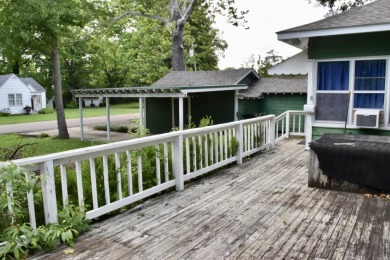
pixel 261 209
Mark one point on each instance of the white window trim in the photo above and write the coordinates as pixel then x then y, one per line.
pixel 337 124
pixel 15 99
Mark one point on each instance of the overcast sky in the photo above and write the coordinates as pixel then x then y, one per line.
pixel 265 18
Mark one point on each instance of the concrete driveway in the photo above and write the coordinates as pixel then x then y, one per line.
pixel 50 127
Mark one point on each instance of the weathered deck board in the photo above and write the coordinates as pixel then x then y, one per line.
pixel 261 209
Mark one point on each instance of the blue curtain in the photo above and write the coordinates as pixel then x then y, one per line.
pixel 369 101
pixel 370 76
pixel 333 75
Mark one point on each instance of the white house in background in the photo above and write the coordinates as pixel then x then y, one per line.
pixel 17 93
pixel 38 94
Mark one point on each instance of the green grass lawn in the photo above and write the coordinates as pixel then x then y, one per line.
pixel 120 109
pixel 33 146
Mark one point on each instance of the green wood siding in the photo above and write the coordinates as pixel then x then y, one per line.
pixel 159 115
pixel 356 45
pixel 278 104
pixel 271 104
pixel 248 107
pixel 219 105
pixel 319 131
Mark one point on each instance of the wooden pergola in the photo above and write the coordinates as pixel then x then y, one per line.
pixel 151 92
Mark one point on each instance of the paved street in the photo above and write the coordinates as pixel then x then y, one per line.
pixel 50 127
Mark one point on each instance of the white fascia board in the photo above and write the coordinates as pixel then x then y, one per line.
pixel 185 91
pixel 146 95
pixel 334 31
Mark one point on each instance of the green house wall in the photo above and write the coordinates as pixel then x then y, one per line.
pixel 219 105
pixel 271 104
pixel 355 45
pixel 158 115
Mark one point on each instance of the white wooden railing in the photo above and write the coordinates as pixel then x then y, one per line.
pixel 290 123
pixel 178 156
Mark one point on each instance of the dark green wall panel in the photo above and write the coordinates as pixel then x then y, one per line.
pixel 158 115
pixel 355 45
pixel 278 104
pixel 219 105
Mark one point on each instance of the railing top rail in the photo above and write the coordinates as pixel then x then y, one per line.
pixel 105 149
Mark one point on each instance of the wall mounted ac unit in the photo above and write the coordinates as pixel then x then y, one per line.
pixel 367 118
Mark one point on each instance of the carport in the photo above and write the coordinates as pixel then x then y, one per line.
pixel 178 95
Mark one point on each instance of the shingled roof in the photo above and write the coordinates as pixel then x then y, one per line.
pixel 373 17
pixel 374 13
pixel 33 83
pixel 204 78
pixel 275 86
pixel 4 78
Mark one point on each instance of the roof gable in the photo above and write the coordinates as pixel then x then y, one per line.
pixel 31 82
pixel 205 78
pixel 373 17
pixel 5 78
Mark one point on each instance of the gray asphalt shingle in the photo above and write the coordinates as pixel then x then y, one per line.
pixel 275 85
pixel 203 78
pixel 374 13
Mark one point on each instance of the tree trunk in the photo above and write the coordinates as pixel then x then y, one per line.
pixel 178 49
pixel 61 122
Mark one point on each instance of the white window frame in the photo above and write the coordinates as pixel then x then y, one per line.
pixel 322 123
pixel 17 99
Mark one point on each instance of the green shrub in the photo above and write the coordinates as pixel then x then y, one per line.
pixel 72 105
pixel 16 234
pixel 47 111
pixel 113 128
pixel 5 112
pixel 120 128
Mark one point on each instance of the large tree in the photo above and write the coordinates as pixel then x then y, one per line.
pixel 40 27
pixel 174 15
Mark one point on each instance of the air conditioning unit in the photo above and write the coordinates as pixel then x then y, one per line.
pixel 367 118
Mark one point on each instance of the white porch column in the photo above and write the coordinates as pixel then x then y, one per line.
pixel 236 105
pixel 108 119
pixel 310 101
pixel 141 114
pixel 181 114
pixel 81 119
pixel 189 109
pixel 173 112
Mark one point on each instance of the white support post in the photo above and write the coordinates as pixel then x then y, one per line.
pixel 240 139
pixel 310 101
pixel 81 119
pixel 49 192
pixel 178 162
pixel 189 108
pixel 236 105
pixel 141 114
pixel 173 112
pixel 272 132
pixel 287 124
pixel 108 120
pixel 181 114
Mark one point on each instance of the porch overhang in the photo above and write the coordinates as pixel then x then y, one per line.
pixel 152 91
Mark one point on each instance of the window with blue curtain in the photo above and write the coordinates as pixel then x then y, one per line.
pixel 332 91
pixel 369 87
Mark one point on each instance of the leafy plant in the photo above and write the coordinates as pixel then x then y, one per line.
pixel 16 233
pixel 46 111
pixel 72 105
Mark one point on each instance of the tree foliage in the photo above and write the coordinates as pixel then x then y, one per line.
pixel 262 64
pixel 36 27
pixel 339 6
